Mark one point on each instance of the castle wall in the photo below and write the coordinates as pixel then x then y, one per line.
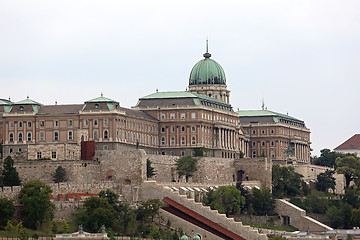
pixel 259 169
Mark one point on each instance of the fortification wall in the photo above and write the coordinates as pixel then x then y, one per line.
pixel 76 170
pixel 259 169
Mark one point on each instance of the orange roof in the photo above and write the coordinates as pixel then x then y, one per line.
pixel 351 143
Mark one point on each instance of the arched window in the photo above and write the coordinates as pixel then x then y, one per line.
pixel 29 138
pixel 106 134
pixel 96 134
pixel 20 137
pixel 11 137
pixel 20 124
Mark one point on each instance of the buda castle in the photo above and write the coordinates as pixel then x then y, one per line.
pixel 174 123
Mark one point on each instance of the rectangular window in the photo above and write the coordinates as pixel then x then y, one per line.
pixel 162 116
pixel 95 122
pixel 38 155
pixel 85 122
pixel 53 155
pixel 56 123
pixel 70 135
pixel 162 129
pixel 70 123
pixel 193 115
pixel 11 124
pixel 42 123
pixel 193 128
pixel 183 129
pixel 42 136
pixel 20 124
pixel 172 129
pixel 29 124
pixel 172 116
pixel 183 116
pixel 172 141
pixel 56 136
pixel 105 122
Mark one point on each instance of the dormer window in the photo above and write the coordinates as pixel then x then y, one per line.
pixel 22 108
pixel 97 106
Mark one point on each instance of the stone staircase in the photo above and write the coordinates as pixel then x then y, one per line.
pixel 190 197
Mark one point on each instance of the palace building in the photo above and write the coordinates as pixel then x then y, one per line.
pixel 167 123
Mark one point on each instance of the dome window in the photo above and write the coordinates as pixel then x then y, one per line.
pixel 97 106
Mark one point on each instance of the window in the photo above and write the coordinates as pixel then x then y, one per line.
pixel 272 143
pixel 162 129
pixel 183 129
pixel 272 154
pixel 193 115
pixel 172 116
pixel 262 131
pixel 70 123
pixel 97 106
pixel 10 150
pixel 29 137
pixel 193 128
pixel 172 141
pixel 193 140
pixel 162 116
pixel 172 153
pixel 29 124
pixel 105 147
pixel 85 122
pixel 182 116
pixel 21 108
pixel 53 155
pixel 162 153
pixel 272 131
pixel 70 135
pixel 254 144
pixel 42 136
pixel 56 136
pixel 20 124
pixel 182 153
pixel 263 144
pixel 106 134
pixel 42 124
pixel 95 122
pixel 183 140
pixel 19 149
pixel 254 154
pixel 163 141
pixel 11 124
pixel 56 123
pixel 11 137
pixel 172 129
pixel 254 132
pixel 96 134
pixel 38 155
pixel 20 137
pixel 105 122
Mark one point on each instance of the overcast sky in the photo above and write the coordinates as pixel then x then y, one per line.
pixel 302 56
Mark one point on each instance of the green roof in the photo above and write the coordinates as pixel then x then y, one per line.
pixel 27 101
pixel 263 113
pixel 5 102
pixel 181 94
pixel 101 99
pixel 207 71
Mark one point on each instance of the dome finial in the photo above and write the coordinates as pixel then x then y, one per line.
pixel 207 54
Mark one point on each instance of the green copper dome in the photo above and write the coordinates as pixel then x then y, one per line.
pixel 207 71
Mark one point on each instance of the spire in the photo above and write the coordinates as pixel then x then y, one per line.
pixel 207 54
pixel 102 94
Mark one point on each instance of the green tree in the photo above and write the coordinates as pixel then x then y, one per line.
pixel 10 175
pixel 59 175
pixel 186 166
pixel 327 158
pixel 95 212
pixel 325 181
pixel 226 199
pixel 148 210
pixel 36 207
pixel 7 211
pixel 355 217
pixel 349 166
pixel 351 197
pixel 262 201
pixel 315 204
pixel 286 182
pixel 150 171
pixel 110 196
